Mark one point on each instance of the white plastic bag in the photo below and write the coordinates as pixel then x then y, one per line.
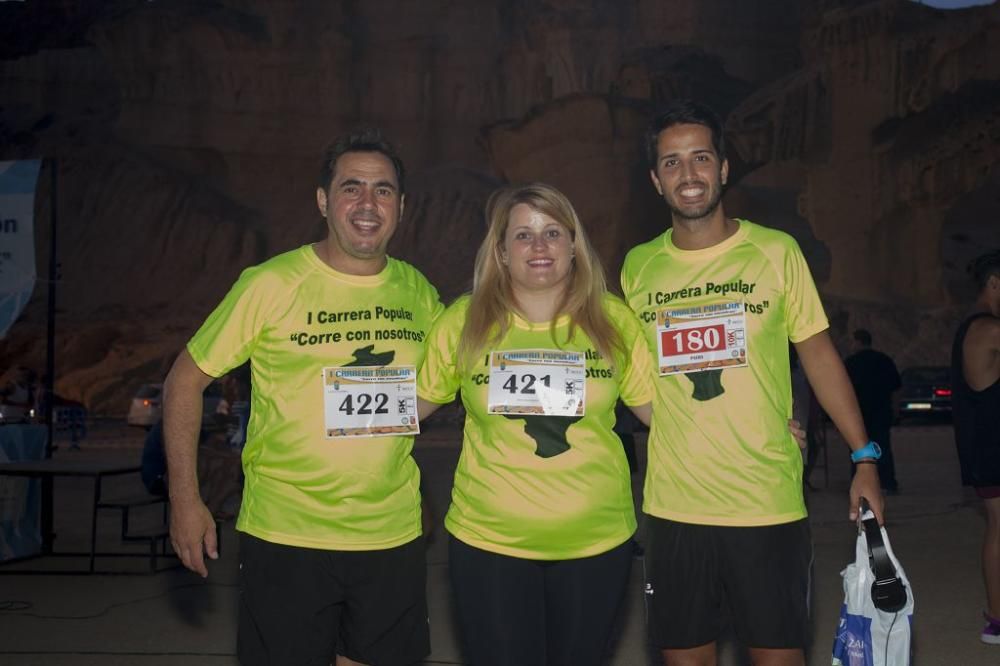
pixel 867 636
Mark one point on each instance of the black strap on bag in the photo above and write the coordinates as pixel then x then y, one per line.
pixel 888 591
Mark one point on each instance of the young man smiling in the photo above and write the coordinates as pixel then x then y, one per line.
pixel 723 488
pixel 331 560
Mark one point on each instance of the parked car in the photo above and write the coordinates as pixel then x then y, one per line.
pixel 926 390
pixel 14 413
pixel 146 408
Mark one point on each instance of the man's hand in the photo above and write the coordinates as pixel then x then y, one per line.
pixel 192 533
pixel 798 433
pixel 866 484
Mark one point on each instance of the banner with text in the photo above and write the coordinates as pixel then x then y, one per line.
pixel 17 238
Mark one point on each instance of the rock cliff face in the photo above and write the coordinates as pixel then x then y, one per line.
pixel 587 146
pixel 894 120
pixel 187 134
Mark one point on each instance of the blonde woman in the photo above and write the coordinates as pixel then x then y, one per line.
pixel 541 514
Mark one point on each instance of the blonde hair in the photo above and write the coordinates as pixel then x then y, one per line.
pixel 492 301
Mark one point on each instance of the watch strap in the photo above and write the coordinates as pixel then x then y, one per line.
pixel 871 450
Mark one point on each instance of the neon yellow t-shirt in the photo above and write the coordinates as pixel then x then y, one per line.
pixel 540 487
pixel 726 457
pixel 292 316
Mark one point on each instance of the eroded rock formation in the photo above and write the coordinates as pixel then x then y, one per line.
pixel 187 135
pixel 894 122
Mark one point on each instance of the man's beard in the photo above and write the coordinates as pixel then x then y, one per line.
pixel 698 213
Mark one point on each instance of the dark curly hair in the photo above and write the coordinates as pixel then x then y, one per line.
pixel 364 140
pixel 684 112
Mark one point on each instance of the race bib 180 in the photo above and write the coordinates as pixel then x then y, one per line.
pixel 696 338
pixel 537 381
pixel 370 401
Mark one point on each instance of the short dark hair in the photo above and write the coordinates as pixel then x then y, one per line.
pixel 863 336
pixel 684 112
pixel 364 140
pixel 985 266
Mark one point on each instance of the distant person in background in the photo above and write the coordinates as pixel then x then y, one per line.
pixel 875 379
pixel 154 461
pixel 975 373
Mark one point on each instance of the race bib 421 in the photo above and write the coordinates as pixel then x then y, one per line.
pixel 537 381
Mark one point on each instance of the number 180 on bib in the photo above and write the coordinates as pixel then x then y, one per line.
pixel 697 338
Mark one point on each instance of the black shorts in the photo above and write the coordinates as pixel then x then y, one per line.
pixel 303 606
pixel 761 573
pixel 517 612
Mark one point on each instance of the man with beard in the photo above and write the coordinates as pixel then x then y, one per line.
pixel 975 372
pixel 331 559
pixel 720 298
